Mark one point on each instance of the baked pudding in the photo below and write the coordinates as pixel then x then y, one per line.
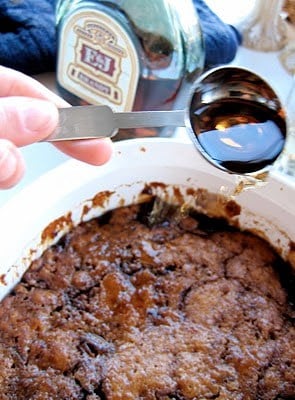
pixel 128 307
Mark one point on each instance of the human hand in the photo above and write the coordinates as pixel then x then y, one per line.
pixel 28 114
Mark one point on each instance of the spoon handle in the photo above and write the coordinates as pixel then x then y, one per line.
pixel 149 119
pixel 84 122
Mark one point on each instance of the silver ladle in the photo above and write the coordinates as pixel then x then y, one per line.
pixel 233 117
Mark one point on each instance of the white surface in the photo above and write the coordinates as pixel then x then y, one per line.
pixel 232 11
pixel 43 157
pixel 71 186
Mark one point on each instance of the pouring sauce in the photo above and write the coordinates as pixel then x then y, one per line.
pixel 239 135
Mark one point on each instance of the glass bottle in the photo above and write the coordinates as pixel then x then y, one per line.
pixel 128 54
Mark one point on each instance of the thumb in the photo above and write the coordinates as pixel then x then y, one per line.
pixel 26 120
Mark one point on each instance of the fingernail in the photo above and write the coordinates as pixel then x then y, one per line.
pixel 41 116
pixel 8 164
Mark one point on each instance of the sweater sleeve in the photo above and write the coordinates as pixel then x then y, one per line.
pixel 28 35
pixel 221 40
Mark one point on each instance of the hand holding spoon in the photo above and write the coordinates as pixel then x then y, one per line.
pixel 233 117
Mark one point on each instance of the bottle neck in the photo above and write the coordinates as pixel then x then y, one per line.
pixel 62 7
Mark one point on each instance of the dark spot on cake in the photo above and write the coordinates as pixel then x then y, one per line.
pixel 95 345
pixel 210 225
pixel 104 218
pixel 100 392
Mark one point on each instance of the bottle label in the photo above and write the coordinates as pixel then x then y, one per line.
pixel 97 60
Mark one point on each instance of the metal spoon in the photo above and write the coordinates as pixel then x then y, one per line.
pixel 233 117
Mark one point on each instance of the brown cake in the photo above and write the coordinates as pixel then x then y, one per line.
pixel 186 308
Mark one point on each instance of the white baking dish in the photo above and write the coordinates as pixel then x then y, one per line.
pixel 65 195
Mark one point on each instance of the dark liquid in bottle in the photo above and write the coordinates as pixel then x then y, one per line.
pixel 152 94
pixel 239 135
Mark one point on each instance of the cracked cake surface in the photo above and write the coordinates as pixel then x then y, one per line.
pixel 184 309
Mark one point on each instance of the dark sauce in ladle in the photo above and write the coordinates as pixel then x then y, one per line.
pixel 239 135
pixel 236 119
